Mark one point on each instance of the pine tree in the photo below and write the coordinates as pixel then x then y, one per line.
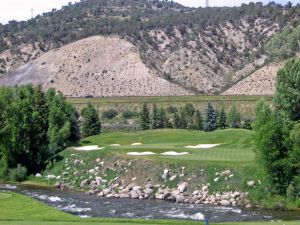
pixel 211 118
pixel 91 122
pixel 198 121
pixel 156 118
pixel 145 118
pixel 176 120
pixel 222 119
pixel 163 119
pixel 234 117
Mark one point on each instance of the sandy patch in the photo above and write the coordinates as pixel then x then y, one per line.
pixel 141 153
pixel 115 145
pixel 202 146
pixel 88 148
pixel 135 144
pixel 175 153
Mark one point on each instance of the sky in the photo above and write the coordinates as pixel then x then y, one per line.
pixel 21 9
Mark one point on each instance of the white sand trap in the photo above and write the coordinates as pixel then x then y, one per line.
pixel 141 153
pixel 175 153
pixel 88 148
pixel 202 146
pixel 135 144
pixel 115 145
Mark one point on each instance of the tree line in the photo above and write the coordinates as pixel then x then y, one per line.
pixel 278 134
pixel 35 126
pixel 188 117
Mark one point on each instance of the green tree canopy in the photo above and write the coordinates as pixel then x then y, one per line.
pixel 91 124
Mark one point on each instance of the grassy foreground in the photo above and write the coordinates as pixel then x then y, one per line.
pixel 16 209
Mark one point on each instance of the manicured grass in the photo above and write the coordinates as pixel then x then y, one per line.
pixel 16 209
pixel 235 145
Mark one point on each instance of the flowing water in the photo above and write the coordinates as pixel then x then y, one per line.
pixel 83 205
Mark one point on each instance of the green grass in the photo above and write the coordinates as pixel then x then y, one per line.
pixel 236 146
pixel 16 209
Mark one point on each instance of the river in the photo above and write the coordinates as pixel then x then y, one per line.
pixel 84 205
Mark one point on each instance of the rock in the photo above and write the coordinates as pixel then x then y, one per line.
pixel 224 202
pixel 195 192
pixel 106 191
pixel 133 179
pixel 226 173
pixel 216 179
pixel 231 175
pixel 57 184
pixel 136 188
pixel 251 183
pixel 84 183
pixel 98 160
pixel 191 200
pixel 133 194
pixel 124 196
pixel 173 178
pixel 148 191
pixel 51 176
pixel 159 196
pixel 180 199
pixel 248 206
pixel 165 175
pixel 204 188
pixel 38 175
pixel 182 187
pixel 101 194
pixel 109 196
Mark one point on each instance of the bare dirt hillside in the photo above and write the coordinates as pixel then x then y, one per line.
pixel 97 66
pixel 261 82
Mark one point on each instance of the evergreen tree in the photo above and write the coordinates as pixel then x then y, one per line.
pixel 234 117
pixel 156 118
pixel 91 122
pixel 145 118
pixel 176 120
pixel 222 118
pixel 163 118
pixel 183 119
pixel 198 121
pixel 211 118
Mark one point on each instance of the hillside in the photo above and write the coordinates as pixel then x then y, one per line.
pixel 97 66
pixel 261 82
pixel 204 50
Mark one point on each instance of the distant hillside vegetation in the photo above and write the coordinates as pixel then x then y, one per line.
pixel 202 50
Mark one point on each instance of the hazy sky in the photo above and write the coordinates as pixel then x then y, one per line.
pixel 21 9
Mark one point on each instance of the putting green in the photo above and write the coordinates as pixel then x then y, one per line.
pixel 235 145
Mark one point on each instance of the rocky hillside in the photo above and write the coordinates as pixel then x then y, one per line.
pixel 172 49
pixel 95 66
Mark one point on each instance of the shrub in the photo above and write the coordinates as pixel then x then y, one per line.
pixel 109 114
pixel 3 169
pixel 18 174
pixel 128 114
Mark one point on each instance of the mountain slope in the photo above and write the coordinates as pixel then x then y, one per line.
pixel 204 50
pixel 97 66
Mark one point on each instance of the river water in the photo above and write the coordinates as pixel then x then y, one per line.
pixel 83 205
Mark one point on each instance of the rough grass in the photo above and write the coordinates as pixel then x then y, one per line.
pixel 246 104
pixel 20 210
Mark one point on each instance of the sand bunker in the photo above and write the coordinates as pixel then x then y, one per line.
pixel 88 148
pixel 175 153
pixel 141 153
pixel 202 146
pixel 115 145
pixel 134 144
